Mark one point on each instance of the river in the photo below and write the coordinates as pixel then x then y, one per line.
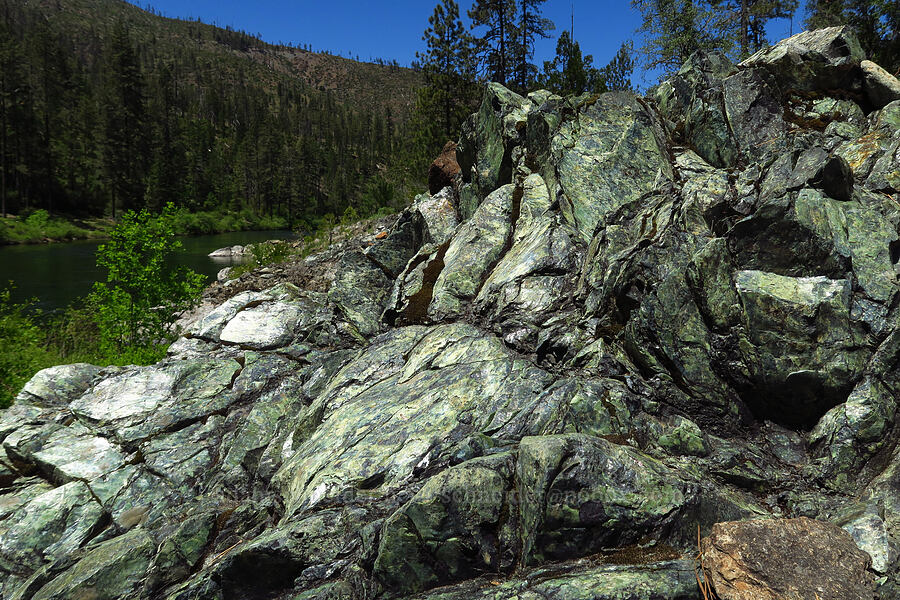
pixel 57 274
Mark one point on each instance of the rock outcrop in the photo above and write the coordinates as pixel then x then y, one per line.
pixel 626 320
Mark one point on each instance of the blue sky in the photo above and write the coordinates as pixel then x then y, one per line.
pixel 393 30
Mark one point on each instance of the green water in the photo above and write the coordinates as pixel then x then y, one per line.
pixel 57 274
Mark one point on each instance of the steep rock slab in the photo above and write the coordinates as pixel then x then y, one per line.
pixel 808 234
pixel 58 385
pixel 75 453
pixel 867 527
pixel 486 144
pixel 693 104
pixel 849 434
pixel 805 353
pixel 108 571
pixel 786 559
pixel 50 526
pixel 477 245
pixel 755 114
pixel 358 293
pixel 460 524
pixel 146 401
pixel 531 284
pixel 611 154
pixel 580 494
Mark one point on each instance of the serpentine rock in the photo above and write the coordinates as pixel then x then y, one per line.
pixel 623 322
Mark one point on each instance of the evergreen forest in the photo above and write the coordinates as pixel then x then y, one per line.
pixel 106 107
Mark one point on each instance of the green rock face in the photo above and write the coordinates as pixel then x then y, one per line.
pixel 112 569
pixel 629 319
pixel 610 155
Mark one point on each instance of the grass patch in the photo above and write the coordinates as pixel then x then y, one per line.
pixel 40 227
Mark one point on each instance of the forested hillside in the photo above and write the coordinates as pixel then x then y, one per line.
pixel 105 107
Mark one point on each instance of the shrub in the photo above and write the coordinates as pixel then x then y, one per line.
pixel 262 254
pixel 138 304
pixel 22 351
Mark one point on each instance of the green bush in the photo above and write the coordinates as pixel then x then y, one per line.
pixel 138 304
pixel 22 348
pixel 263 254
pixel 207 222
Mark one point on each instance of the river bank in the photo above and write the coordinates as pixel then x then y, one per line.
pixel 57 274
pixel 40 227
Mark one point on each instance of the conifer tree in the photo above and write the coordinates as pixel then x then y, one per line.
pixel 675 29
pixel 569 72
pixel 124 154
pixel 495 46
pixel 616 75
pixel 530 26
pixel 745 21
pixel 446 65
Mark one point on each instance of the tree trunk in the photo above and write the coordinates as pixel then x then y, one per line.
pixel 501 17
pixel 744 25
pixel 3 144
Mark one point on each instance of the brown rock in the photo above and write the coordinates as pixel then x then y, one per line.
pixel 443 169
pixel 785 559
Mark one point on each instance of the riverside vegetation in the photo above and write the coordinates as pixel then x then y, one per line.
pixel 628 319
pixel 127 319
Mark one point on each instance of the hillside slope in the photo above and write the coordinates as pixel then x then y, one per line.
pixel 109 107
pixel 360 84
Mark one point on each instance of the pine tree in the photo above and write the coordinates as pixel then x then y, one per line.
pixel 745 21
pixel 447 66
pixel 531 26
pixel 495 47
pixel 616 75
pixel 124 151
pixel 569 72
pixel 675 29
pixel 18 124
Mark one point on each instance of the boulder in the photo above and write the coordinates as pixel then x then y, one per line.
pixel 785 559
pixel 472 252
pixel 823 59
pixel 236 251
pixel 881 87
pixel 443 169
pixel 610 155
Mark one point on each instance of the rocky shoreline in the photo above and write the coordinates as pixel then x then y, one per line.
pixel 629 328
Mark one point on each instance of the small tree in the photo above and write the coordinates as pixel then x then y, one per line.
pixel 531 26
pixel 616 75
pixel 569 72
pixel 138 304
